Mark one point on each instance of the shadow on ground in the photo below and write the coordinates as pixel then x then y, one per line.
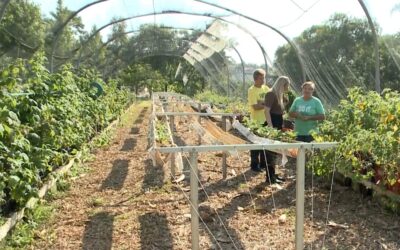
pixel 154 176
pixel 135 131
pixel 154 232
pixel 129 144
pixel 98 232
pixel 116 178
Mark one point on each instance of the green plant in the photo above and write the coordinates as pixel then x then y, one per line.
pixel 268 132
pixel 45 119
pixel 162 132
pixel 366 127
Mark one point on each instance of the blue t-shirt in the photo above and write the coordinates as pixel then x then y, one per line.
pixel 312 106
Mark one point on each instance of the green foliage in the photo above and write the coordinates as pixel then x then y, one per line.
pixel 366 125
pixel 21 29
pixel 338 54
pixel 25 232
pixel 222 103
pixel 268 132
pixel 45 118
pixel 162 135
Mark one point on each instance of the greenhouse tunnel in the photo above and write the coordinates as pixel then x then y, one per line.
pixel 69 69
pixel 334 79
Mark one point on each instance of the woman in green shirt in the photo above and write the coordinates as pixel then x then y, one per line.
pixel 307 111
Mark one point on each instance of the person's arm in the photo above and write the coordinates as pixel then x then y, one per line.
pixel 293 114
pixel 292 111
pixel 258 106
pixel 268 116
pixel 253 102
pixel 320 117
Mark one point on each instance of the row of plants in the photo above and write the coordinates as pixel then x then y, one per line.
pixel 223 103
pixel 269 132
pixel 45 118
pixel 366 125
pixel 162 135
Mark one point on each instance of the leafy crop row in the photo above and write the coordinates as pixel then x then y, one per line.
pixel 45 118
pixel 367 126
pixel 223 103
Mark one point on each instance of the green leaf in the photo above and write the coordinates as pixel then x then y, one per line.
pixel 1 130
pixel 13 116
pixel 13 180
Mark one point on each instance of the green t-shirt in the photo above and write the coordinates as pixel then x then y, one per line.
pixel 312 106
pixel 254 95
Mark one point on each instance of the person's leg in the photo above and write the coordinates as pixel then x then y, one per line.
pixel 263 159
pixel 277 123
pixel 254 160
pixel 270 170
pixel 304 138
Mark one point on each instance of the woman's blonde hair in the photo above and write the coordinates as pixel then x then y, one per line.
pixel 279 87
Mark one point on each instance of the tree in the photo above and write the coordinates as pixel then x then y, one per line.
pixel 390 61
pixel 337 54
pixel 21 29
pixel 63 40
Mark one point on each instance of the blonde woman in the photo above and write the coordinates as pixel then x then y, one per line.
pixel 274 103
pixel 274 109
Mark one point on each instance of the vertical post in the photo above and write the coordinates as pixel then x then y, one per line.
pixel 224 166
pixel 224 123
pixel 199 110
pixel 165 106
pixel 194 200
pixel 199 120
pixel 173 166
pixel 224 154
pixel 172 124
pixel 300 172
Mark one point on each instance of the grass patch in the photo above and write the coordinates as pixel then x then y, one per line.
pixel 29 228
pixel 97 202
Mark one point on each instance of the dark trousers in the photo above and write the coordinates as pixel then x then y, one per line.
pixel 257 159
pixel 277 122
pixel 304 138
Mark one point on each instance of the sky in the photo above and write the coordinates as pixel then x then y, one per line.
pixel 291 17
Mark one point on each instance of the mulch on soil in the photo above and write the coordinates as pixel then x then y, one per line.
pixel 124 202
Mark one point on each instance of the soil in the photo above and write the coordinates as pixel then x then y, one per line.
pixel 124 202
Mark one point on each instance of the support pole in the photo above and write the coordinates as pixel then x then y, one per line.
pixel 224 154
pixel 300 172
pixel 172 124
pixel 224 123
pixel 224 166
pixel 199 120
pixel 173 166
pixel 199 110
pixel 194 200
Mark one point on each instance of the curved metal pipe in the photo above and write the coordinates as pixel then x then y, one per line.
pixel 244 80
pixel 3 8
pixel 266 25
pixel 376 47
pixel 154 13
pixel 59 30
pixel 167 12
pixel 122 34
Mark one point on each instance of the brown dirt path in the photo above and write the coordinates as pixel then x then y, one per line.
pixel 126 203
